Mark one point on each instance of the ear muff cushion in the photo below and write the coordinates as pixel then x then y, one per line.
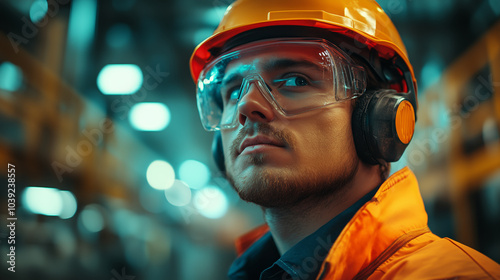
pixel 360 128
pixel 218 152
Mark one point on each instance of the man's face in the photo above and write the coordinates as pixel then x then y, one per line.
pixel 277 161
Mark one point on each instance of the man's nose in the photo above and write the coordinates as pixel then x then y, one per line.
pixel 254 107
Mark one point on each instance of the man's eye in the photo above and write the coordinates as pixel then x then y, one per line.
pixel 294 81
pixel 235 92
pixel 232 93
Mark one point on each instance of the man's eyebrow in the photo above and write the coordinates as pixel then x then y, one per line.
pixel 235 75
pixel 281 63
pixel 231 78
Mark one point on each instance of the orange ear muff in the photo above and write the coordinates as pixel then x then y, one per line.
pixel 383 123
pixel 405 121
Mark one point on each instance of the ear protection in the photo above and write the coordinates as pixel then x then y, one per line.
pixel 383 123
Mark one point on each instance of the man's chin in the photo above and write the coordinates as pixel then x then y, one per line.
pixel 279 187
pixel 260 185
pixel 270 188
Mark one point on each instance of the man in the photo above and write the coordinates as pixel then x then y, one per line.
pixel 310 100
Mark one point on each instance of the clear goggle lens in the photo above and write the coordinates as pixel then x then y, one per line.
pixel 294 76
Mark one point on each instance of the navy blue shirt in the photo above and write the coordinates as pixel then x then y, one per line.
pixel 303 261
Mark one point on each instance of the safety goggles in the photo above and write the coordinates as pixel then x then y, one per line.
pixel 293 75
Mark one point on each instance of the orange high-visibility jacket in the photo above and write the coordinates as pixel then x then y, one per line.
pixel 388 238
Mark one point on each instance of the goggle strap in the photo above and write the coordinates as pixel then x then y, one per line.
pixel 358 80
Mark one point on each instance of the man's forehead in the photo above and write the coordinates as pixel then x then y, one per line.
pixel 272 59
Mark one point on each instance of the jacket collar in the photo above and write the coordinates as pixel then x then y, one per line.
pixel 395 212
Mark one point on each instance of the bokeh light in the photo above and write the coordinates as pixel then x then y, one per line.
pixel 91 218
pixel 179 194
pixel 11 76
pixel 149 116
pixel 68 205
pixel 211 202
pixel 160 175
pixel 44 201
pixel 82 23
pixel 38 10
pixel 120 79
pixel 196 174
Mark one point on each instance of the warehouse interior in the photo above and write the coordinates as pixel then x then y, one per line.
pixel 98 108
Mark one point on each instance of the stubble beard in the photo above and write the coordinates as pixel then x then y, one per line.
pixel 272 188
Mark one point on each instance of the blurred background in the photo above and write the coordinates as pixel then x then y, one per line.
pixel 114 177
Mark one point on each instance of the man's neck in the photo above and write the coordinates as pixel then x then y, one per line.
pixel 292 224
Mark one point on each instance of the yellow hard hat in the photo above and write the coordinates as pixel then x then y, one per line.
pixel 362 20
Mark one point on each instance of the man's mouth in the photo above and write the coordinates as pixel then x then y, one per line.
pixel 259 141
